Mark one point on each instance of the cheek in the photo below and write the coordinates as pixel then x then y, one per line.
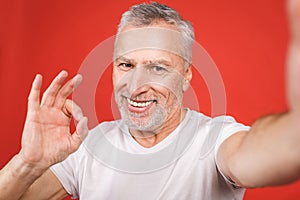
pixel 170 87
pixel 116 77
pixel 170 97
pixel 175 86
pixel 176 93
pixel 175 97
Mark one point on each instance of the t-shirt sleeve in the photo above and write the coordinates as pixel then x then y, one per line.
pixel 228 127
pixel 66 172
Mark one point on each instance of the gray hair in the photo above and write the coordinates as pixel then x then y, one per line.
pixel 148 14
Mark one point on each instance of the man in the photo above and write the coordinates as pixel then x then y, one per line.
pixel 159 150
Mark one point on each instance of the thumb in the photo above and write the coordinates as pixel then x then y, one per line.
pixel 80 133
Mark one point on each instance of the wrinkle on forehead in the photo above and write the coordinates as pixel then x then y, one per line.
pixel 156 38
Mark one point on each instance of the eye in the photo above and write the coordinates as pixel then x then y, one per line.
pixel 125 66
pixel 158 69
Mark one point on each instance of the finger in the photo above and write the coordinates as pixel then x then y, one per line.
pixel 34 95
pixel 72 109
pixel 293 62
pixel 293 79
pixel 294 19
pixel 80 134
pixel 51 92
pixel 66 90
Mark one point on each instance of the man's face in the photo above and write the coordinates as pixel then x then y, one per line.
pixel 148 87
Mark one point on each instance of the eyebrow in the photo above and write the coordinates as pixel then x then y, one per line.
pixel 146 62
pixel 157 61
pixel 124 59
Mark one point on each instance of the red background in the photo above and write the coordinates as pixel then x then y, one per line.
pixel 247 40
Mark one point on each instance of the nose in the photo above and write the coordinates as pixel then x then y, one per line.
pixel 138 81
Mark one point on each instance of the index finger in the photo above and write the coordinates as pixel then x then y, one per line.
pixel 51 92
pixel 67 90
pixel 34 95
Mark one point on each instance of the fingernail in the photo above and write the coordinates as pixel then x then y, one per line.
pixel 77 80
pixel 78 116
pixel 63 73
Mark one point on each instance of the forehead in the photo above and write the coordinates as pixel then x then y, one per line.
pixel 161 37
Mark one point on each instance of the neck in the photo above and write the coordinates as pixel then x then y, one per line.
pixel 149 139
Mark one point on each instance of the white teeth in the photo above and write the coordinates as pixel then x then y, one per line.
pixel 139 104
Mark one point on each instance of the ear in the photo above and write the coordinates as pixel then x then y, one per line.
pixel 187 78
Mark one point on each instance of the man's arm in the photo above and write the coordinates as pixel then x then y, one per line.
pixel 22 181
pixel 269 154
pixel 46 140
pixel 46 187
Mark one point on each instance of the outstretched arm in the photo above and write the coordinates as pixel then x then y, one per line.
pixel 269 154
pixel 46 138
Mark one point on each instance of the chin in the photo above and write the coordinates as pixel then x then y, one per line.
pixel 147 122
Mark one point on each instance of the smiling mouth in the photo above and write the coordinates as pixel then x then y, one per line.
pixel 140 104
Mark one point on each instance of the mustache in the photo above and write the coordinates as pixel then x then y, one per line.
pixel 138 98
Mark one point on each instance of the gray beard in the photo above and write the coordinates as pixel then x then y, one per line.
pixel 133 121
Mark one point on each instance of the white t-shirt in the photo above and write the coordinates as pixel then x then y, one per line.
pixel 110 164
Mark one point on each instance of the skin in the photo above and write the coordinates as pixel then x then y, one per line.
pixel 46 140
pixel 246 157
pixel 163 92
pixel 165 97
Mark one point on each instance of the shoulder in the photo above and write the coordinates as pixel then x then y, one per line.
pixel 212 131
pixel 217 122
